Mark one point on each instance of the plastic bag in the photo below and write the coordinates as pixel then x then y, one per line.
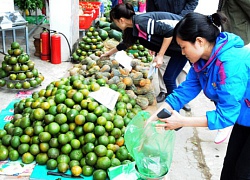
pixel 150 146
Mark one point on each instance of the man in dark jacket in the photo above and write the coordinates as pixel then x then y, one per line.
pixel 179 7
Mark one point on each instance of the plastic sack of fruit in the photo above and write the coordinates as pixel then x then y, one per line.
pixel 150 146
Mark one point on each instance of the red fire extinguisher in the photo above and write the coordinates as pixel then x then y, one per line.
pixel 55 49
pixel 45 45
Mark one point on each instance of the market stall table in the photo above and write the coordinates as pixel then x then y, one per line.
pixel 13 29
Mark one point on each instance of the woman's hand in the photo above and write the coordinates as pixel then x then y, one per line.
pixel 106 54
pixel 109 53
pixel 150 119
pixel 173 122
pixel 158 60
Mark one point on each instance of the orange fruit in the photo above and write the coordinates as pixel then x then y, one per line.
pixel 103 140
pixel 100 150
pixel 122 154
pixel 3 153
pixel 13 155
pixel 62 167
pixel 63 158
pixel 61 118
pixel 80 119
pixel 60 98
pixel 44 136
pixel 27 158
pixel 120 141
pixel 53 128
pixel 88 127
pixel 88 147
pixel 92 106
pixel 75 143
pixel 70 135
pixel 61 108
pixel 109 126
pixel 38 129
pixel 73 163
pixel 76 170
pixel 63 139
pixel 64 128
pixel 66 149
pixel 53 142
pixel 103 163
pixel 76 154
pixel 45 105
pixel 91 117
pixel 25 138
pixel 99 174
pixel 23 148
pixel 53 153
pixel 91 158
pixel 51 164
pixel 71 114
pixel 39 114
pixel 115 162
pixel 87 170
pixel 44 147
pixel 99 130
pixel 34 149
pixel 78 97
pixel 90 137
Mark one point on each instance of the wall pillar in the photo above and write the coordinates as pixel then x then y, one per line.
pixel 64 18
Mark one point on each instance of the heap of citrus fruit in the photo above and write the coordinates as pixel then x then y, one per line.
pixel 140 52
pixel 18 71
pixel 91 44
pixel 63 128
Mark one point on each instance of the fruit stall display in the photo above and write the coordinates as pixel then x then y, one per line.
pixel 135 83
pixel 97 39
pixel 91 43
pixel 18 71
pixel 63 128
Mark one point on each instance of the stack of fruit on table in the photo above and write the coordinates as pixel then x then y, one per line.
pixel 18 71
pixel 63 128
pixel 91 43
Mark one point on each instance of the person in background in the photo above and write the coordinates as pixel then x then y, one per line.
pixel 154 31
pixel 114 3
pixel 167 83
pixel 221 68
pixel 238 13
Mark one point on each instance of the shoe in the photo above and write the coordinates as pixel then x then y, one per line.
pixel 161 97
pixel 186 107
pixel 222 134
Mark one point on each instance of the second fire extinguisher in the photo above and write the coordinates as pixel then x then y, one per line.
pixel 56 49
pixel 45 45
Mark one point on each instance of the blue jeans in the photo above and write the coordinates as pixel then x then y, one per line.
pixel 174 67
pixel 236 164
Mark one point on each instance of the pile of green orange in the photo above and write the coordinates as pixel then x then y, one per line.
pixel 91 44
pixel 63 127
pixel 140 52
pixel 18 71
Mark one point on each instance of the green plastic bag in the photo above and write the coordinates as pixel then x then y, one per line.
pixel 150 146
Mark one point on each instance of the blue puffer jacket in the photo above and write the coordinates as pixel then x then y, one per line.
pixel 224 78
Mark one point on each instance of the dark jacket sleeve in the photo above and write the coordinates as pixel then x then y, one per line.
pixel 121 46
pixel 189 7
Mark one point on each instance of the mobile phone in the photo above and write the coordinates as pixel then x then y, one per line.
pixel 164 113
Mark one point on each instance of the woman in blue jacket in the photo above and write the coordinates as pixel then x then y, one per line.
pixel 221 68
pixel 154 30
